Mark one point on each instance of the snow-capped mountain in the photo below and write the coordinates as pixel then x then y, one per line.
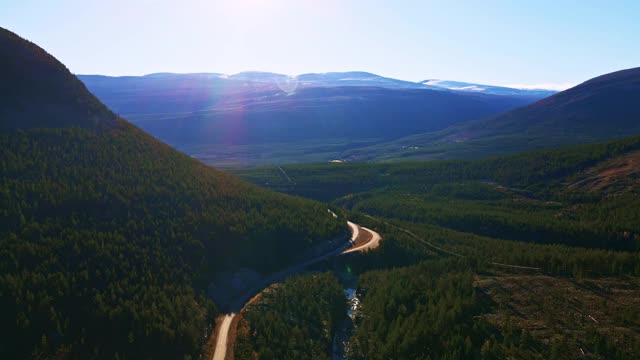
pixel 486 89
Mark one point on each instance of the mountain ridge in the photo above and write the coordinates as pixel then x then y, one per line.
pixel 29 75
pixel 487 89
pixel 354 78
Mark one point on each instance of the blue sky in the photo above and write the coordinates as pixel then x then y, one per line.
pixel 525 43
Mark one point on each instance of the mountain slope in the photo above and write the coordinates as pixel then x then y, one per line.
pixel 323 113
pixel 252 118
pixel 599 109
pixel 109 237
pixel 28 75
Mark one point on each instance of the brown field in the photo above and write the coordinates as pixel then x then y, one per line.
pixel 612 176
pixel 551 307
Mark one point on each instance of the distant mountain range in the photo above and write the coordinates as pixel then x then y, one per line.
pixel 260 118
pixel 602 108
pixel 351 78
pixel 487 89
pixel 255 118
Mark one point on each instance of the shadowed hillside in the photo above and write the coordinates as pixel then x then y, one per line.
pixel 108 237
pixel 600 109
pixel 35 84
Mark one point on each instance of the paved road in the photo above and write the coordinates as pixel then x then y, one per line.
pixel 223 332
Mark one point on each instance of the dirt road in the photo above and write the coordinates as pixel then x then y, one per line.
pixel 226 320
pixel 221 342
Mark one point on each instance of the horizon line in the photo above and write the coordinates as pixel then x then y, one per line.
pixel 519 86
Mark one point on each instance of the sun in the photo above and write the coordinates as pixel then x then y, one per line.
pixel 240 7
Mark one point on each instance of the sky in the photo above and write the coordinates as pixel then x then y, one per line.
pixel 538 44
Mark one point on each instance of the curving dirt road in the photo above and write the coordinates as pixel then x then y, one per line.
pixel 371 244
pixel 220 351
pixel 221 340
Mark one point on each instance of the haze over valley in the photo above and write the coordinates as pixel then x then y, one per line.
pixel 256 118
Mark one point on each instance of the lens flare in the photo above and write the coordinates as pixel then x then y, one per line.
pixel 288 84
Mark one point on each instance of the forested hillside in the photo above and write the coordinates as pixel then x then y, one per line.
pixel 529 197
pixel 418 302
pixel 419 312
pixel 107 236
pixel 293 320
pixel 453 309
pixel 532 256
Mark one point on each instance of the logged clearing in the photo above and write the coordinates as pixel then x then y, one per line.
pixel 612 176
pixel 550 308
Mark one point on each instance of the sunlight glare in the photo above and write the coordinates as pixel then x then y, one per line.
pixel 288 84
